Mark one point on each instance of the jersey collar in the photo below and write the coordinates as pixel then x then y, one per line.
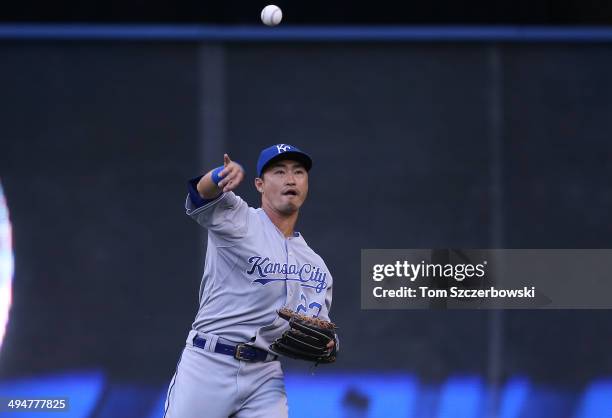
pixel 263 214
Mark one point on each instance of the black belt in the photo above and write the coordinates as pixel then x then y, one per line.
pixel 239 351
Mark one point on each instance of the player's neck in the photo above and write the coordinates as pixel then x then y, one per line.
pixel 284 223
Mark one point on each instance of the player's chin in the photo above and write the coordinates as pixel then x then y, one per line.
pixel 290 207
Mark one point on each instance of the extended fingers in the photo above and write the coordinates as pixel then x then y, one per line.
pixel 226 162
pixel 228 165
pixel 232 184
pixel 232 177
pixel 229 172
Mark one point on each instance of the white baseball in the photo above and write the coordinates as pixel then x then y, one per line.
pixel 271 15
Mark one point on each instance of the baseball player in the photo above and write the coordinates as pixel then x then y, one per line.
pixel 256 264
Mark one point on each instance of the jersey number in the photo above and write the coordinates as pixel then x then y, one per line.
pixel 302 307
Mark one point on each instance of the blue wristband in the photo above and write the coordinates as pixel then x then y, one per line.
pixel 215 177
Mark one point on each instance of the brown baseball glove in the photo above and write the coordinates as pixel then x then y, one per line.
pixel 306 339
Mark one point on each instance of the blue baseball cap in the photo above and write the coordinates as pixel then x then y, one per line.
pixel 282 152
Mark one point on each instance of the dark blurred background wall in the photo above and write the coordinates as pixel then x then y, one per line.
pixel 415 145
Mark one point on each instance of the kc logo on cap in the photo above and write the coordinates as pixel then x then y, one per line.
pixel 280 151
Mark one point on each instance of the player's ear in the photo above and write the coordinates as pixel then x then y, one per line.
pixel 259 184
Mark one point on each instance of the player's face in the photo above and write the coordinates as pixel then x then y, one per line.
pixel 283 186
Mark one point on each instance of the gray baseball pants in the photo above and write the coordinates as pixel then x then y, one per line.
pixel 213 385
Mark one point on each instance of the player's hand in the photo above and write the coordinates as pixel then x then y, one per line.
pixel 232 175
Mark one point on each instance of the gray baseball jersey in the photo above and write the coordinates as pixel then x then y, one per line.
pixel 252 270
